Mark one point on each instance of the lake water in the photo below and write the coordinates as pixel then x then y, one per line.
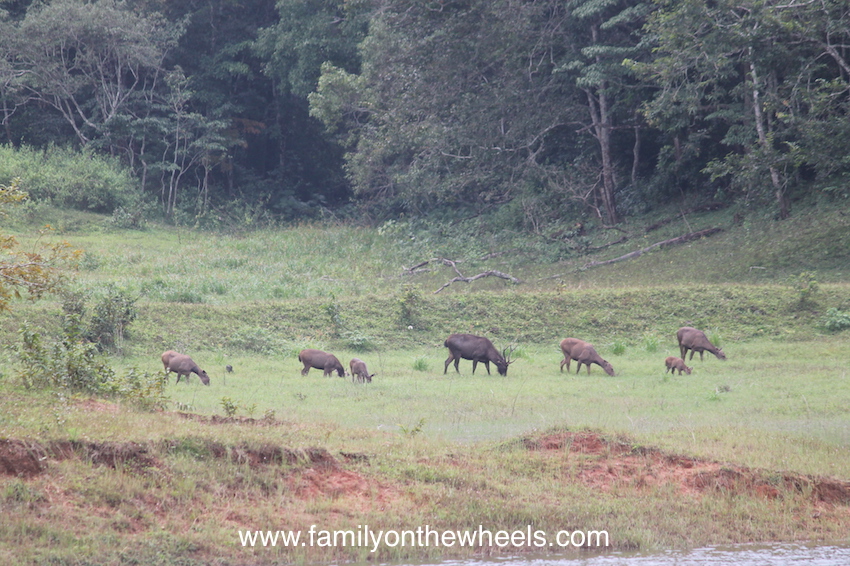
pixel 745 555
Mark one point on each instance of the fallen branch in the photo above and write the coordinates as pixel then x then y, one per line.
pixel 460 277
pixel 490 273
pixel 666 243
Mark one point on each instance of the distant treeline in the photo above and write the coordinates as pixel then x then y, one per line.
pixel 544 109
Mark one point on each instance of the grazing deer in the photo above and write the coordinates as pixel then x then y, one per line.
pixel 359 373
pixel 320 360
pixel 181 364
pixel 477 349
pixel 583 353
pixel 673 363
pixel 696 341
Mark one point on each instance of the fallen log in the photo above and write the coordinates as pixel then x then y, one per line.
pixel 666 243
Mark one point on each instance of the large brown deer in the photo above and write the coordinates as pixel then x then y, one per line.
pixel 583 353
pixel 477 349
pixel 181 364
pixel 320 360
pixel 696 341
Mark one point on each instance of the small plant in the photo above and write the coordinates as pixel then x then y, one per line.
pixel 618 348
pixel 414 430
pixel 806 286
pixel 334 312
pixel 836 321
pixel 420 363
pixel 650 343
pixel 408 304
pixel 251 409
pixel 269 415
pixel 358 341
pixel 229 406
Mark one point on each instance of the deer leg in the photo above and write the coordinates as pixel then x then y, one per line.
pixel 474 365
pixel 487 365
pixel 448 361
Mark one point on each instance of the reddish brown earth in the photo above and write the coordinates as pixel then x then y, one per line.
pixel 612 462
pixel 606 463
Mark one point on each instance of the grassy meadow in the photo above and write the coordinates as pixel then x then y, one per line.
pixel 417 446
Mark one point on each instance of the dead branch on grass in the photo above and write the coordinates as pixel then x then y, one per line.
pixel 460 276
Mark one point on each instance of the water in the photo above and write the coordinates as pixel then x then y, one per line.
pixel 745 555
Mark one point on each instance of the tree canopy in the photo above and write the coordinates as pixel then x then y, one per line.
pixel 556 108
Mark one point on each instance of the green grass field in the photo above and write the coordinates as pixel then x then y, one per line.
pixel 443 449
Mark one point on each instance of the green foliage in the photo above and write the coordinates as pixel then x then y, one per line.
pixel 836 321
pixel 413 430
pixel 71 363
pixel 334 312
pixel 258 340
pixel 420 363
pixel 229 406
pixel 144 389
pixel 806 287
pixel 112 313
pixel 70 179
pixel 409 303
pixel 358 341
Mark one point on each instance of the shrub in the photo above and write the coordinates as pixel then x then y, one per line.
pixel 70 179
pixel 76 365
pixel 836 321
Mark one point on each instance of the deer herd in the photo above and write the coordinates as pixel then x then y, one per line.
pixel 469 347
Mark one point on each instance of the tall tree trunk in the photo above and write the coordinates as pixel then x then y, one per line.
pixel 764 142
pixel 597 103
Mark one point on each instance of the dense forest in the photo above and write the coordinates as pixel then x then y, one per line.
pixel 549 109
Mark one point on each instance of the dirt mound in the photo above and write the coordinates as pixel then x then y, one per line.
pixel 607 462
pixel 19 458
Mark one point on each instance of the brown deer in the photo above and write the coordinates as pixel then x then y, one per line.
pixel 583 353
pixel 673 363
pixel 477 349
pixel 359 373
pixel 696 341
pixel 181 364
pixel 320 360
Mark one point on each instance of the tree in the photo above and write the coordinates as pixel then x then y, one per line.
pixel 602 34
pixel 769 73
pixel 89 61
pixel 34 273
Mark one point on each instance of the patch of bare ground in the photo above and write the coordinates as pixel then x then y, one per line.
pixel 609 462
pixel 311 472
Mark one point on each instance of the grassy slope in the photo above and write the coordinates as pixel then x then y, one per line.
pixel 253 300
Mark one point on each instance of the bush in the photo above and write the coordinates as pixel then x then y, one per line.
pixel 74 364
pixel 70 179
pixel 836 321
pixel 113 312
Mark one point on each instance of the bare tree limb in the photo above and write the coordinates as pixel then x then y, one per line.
pixel 491 273
pixel 460 276
pixel 666 243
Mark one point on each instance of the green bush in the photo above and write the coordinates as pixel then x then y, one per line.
pixel 836 321
pixel 72 363
pixel 68 178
